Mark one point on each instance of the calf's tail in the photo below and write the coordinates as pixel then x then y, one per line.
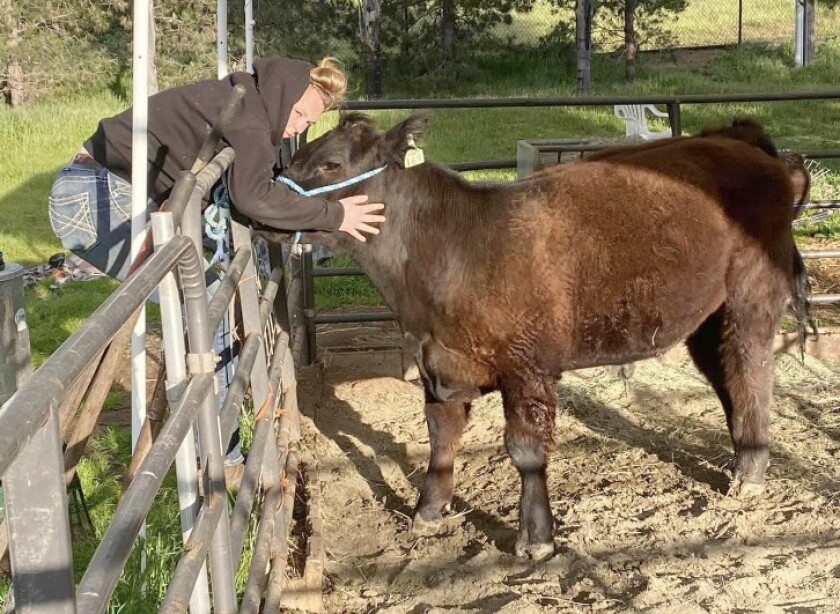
pixel 800 303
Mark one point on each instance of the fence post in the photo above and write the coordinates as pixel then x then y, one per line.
pixel 39 528
pixel 200 360
pixel 740 22
pixel 311 344
pixel 675 118
pixel 174 351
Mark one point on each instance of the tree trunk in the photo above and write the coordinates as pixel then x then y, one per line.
pixel 631 45
pixel 447 32
pixel 406 42
pixel 369 26
pixel 583 43
pixel 15 86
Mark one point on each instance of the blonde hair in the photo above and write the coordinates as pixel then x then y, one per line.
pixel 330 81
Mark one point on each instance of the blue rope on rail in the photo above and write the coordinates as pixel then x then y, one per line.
pixel 216 221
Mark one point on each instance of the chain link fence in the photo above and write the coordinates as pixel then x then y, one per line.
pixel 676 24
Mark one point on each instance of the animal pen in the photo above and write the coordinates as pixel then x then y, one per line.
pixel 279 332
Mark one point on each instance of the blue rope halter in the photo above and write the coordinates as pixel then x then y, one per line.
pixel 327 188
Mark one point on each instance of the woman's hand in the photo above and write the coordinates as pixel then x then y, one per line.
pixel 358 217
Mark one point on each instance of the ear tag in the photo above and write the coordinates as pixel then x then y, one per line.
pixel 413 155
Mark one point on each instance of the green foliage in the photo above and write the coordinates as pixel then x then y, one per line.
pixel 654 20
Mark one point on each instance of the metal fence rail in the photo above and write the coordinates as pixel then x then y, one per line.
pixel 305 291
pixel 31 462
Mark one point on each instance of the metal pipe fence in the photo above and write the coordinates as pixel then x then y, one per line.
pixel 306 275
pixel 31 462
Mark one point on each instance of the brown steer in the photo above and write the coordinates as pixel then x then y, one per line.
pixel 606 261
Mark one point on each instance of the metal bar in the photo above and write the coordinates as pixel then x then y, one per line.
pixel 820 153
pixel 675 118
pixel 309 305
pixel 281 302
pixel 825 299
pixel 262 447
pixel 39 530
pixel 247 359
pixel 297 329
pixel 191 564
pixel 283 525
pixel 828 253
pixel 200 360
pixel 740 22
pixel 337 271
pixel 209 175
pixel 181 191
pixel 821 204
pixel 174 353
pixel 356 316
pixel 221 39
pixel 139 199
pixel 582 101
pixel 252 314
pixel 110 557
pixel 257 576
pixel 249 35
pixel 288 431
pixel 28 410
pixel 229 415
pixel 483 165
pixel 227 287
pixel 191 221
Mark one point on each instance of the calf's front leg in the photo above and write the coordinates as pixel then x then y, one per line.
pixel 446 422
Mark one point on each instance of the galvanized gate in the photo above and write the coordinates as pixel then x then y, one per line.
pixel 32 466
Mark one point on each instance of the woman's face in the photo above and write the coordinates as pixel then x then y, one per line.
pixel 305 112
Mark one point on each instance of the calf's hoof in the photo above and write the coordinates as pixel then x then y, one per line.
pixel 742 488
pixel 428 522
pixel 534 551
pixel 422 527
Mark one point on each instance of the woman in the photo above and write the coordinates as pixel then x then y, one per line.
pixel 90 202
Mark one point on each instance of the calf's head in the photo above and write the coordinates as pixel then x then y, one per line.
pixel 352 148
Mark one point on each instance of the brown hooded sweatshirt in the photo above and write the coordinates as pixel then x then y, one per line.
pixel 179 120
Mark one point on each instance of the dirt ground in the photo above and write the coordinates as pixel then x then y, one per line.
pixel 638 486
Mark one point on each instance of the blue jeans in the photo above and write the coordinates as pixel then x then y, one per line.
pixel 90 213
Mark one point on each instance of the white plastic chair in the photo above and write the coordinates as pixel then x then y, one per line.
pixel 636 123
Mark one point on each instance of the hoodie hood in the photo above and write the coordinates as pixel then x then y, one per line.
pixel 280 83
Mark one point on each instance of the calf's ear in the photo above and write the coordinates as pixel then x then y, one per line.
pixel 355 122
pixel 398 139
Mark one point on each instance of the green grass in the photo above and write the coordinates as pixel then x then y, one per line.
pixel 35 141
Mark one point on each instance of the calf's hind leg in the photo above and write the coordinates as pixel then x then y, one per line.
pixel 530 407
pixel 446 422
pixel 734 350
